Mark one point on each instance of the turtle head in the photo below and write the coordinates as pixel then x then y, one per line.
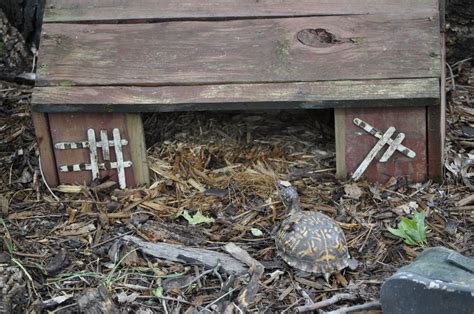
pixel 289 195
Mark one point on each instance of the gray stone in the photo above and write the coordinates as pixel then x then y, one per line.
pixel 440 280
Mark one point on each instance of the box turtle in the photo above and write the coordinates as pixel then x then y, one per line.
pixel 309 241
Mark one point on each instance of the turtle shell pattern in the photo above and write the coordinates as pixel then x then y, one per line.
pixel 312 242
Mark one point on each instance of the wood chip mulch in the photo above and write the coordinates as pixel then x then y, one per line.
pixel 68 247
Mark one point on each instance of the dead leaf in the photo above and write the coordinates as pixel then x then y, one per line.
pixel 353 191
pixel 74 189
pixel 375 190
pixel 341 279
pixel 198 186
pixel 122 297
pixel 78 229
pixel 391 182
pixel 405 209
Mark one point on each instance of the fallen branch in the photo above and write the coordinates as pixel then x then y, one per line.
pixel 247 295
pixel 366 306
pixel 187 255
pixel 318 305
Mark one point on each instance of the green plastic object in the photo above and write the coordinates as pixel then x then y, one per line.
pixel 440 280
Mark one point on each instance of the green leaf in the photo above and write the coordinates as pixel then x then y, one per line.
pixel 407 224
pixel 256 232
pixel 396 232
pixel 158 292
pixel 198 218
pixel 410 241
pixel 412 231
pixel 191 287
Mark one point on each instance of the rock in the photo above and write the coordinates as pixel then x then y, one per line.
pixel 440 280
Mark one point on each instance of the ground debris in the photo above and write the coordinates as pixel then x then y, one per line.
pixel 96 301
pixel 189 255
pixel 223 166
pixel 13 290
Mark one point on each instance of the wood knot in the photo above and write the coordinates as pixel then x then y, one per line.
pixel 317 37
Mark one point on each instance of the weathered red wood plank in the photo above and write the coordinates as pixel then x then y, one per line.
pixel 250 51
pixel 115 10
pixel 70 127
pixel 355 143
pixel 45 147
pixel 299 95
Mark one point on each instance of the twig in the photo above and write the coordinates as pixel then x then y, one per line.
pixel 318 305
pixel 452 76
pixel 111 239
pixel 206 308
pixel 365 306
pixel 465 201
pixel 146 297
pixel 212 270
pixel 163 302
pixel 29 255
pixel 44 180
pixel 256 269
pixel 291 306
pixel 238 308
pixel 365 240
pixel 460 62
pixel 60 309
pixel 461 208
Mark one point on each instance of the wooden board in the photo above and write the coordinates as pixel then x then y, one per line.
pixel 45 147
pixel 70 127
pixel 353 143
pixel 137 148
pixel 114 10
pixel 437 125
pixel 407 92
pixel 250 51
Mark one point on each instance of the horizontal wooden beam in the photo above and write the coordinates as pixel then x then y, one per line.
pixel 303 95
pixel 251 51
pixel 142 10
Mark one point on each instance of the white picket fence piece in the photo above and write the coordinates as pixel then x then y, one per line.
pixel 384 139
pixel 93 144
pixel 375 132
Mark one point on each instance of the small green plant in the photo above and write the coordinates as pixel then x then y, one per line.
pixel 7 239
pixel 412 231
pixel 116 274
pixel 158 292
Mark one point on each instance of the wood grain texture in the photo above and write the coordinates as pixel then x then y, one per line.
pixel 250 51
pixel 130 10
pixel 45 147
pixel 234 96
pixel 436 118
pixel 358 143
pixel 137 148
pixel 190 255
pixel 71 127
pixel 340 137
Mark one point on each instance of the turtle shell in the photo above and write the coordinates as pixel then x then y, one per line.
pixel 312 242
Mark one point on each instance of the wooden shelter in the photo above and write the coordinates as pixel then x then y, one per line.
pixel 103 62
